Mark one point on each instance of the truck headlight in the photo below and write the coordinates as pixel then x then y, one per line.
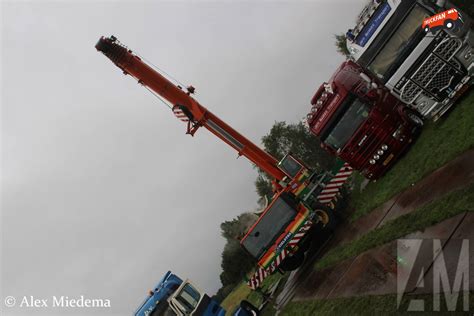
pixel 380 152
pixel 384 147
pixel 372 162
pixel 398 132
pixel 468 55
pixel 376 157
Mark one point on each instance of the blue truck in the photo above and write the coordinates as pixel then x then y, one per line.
pixel 174 297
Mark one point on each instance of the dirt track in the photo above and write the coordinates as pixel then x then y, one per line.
pixel 374 271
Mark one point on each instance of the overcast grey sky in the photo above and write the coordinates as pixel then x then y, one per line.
pixel 102 192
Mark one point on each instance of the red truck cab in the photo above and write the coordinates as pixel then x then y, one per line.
pixel 358 120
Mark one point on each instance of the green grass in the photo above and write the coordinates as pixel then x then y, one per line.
pixel 255 298
pixel 438 143
pixel 269 310
pixel 450 205
pixel 232 300
pixel 243 292
pixel 371 305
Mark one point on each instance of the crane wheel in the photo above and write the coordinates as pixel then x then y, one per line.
pixel 292 262
pixel 327 218
pixel 323 217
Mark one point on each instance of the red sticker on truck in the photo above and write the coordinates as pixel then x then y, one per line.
pixel 449 19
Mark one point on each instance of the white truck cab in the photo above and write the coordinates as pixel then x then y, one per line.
pixel 426 70
pixel 186 299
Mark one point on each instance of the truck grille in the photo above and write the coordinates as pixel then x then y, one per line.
pixel 435 74
pixel 410 92
pixel 448 48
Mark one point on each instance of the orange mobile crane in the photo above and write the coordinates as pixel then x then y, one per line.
pixel 283 232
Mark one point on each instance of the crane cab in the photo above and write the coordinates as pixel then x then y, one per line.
pixel 291 166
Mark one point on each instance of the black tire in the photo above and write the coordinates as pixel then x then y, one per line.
pixel 449 24
pixel 292 262
pixel 306 243
pixel 414 118
pixel 328 214
pixel 246 305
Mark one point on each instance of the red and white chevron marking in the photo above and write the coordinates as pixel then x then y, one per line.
pixel 300 234
pixel 180 114
pixel 332 187
pixel 261 273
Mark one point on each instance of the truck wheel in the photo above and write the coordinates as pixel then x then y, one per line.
pixel 246 305
pixel 326 216
pixel 414 118
pixel 449 24
pixel 306 243
pixel 292 262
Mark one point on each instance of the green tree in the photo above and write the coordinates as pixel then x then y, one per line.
pixel 223 292
pixel 295 138
pixel 236 262
pixel 233 229
pixel 341 45
pixel 264 188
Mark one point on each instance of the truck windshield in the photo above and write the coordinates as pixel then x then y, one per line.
pixel 290 166
pixel 188 299
pixel 399 44
pixel 356 112
pixel 270 226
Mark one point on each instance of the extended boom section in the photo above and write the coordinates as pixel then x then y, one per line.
pixel 186 107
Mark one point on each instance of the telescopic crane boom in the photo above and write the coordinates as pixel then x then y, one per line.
pixel 185 107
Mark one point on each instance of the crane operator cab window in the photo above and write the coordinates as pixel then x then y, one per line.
pixel 290 166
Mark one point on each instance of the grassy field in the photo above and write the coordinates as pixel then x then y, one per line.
pixel 452 204
pixel 371 305
pixel 243 292
pixel 232 300
pixel 438 143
